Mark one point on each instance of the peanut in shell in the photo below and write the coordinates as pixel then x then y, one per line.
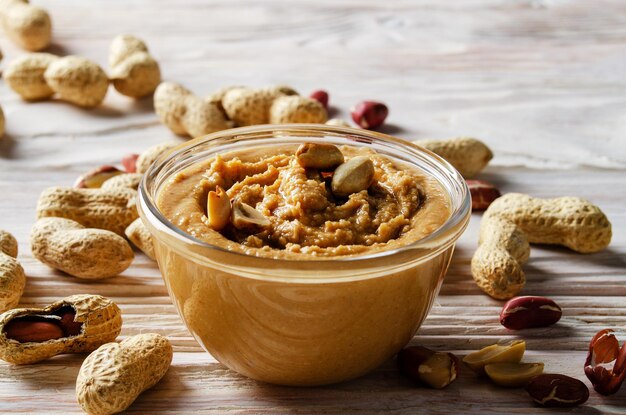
pixel 101 321
pixel 113 376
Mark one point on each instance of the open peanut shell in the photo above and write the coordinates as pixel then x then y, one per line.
pixel 76 324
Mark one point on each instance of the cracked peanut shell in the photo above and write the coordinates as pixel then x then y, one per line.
pixel 101 322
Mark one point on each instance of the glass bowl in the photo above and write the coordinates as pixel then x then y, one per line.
pixel 310 322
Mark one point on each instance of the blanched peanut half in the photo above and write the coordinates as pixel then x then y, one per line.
pixel 496 353
pixel 439 370
pixel 353 176
pixel 245 217
pixel 513 375
pixel 218 209
pixel 319 156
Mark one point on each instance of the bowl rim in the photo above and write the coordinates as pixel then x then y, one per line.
pixel 457 221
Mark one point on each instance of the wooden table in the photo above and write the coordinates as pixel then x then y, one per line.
pixel 541 81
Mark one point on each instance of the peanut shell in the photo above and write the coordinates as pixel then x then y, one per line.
pixel 134 72
pixel 186 114
pixel 12 277
pixel 85 253
pixel 125 180
pixel 112 377
pixel 149 156
pixel 101 323
pixel 294 109
pixel 140 236
pixel 109 209
pixel 468 155
pixel 26 24
pixel 25 76
pixel 77 80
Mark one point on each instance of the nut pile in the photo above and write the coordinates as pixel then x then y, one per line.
pixel 82 82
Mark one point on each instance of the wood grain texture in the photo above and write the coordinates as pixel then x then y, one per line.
pixel 541 81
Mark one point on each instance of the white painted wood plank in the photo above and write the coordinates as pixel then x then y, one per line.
pixel 541 81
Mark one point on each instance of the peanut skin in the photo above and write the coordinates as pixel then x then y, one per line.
pixel 84 253
pixel 514 220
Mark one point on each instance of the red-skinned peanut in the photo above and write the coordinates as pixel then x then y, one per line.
pixel 129 161
pixel 529 311
pixel 483 194
pixel 321 96
pixel 369 114
pixel 554 390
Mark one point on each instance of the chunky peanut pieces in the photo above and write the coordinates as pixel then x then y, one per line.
pixel 245 217
pixel 218 209
pixel 324 157
pixel 319 160
pixel 501 363
pixel 353 176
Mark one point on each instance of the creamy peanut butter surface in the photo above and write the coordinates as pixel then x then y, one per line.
pixel 306 219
